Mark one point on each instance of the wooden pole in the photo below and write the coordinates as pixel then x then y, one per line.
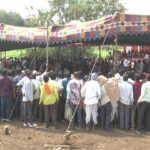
pixel 148 66
pixel 99 54
pixel 47 46
pixel 74 49
pixel 115 53
pixel 34 66
pixel 5 59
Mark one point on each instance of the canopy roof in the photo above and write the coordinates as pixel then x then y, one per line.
pixel 130 29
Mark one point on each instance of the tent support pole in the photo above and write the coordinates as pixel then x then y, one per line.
pixel 115 53
pixel 35 58
pixel 5 59
pixel 148 66
pixel 47 46
pixel 74 49
pixel 99 54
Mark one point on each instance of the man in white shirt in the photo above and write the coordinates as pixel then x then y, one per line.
pixel 36 96
pixel 126 101
pixel 144 106
pixel 27 92
pixel 21 82
pixel 92 93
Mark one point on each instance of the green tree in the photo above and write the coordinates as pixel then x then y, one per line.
pixel 67 10
pixel 64 11
pixel 11 18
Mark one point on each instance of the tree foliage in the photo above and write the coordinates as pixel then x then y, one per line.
pixel 11 18
pixel 67 10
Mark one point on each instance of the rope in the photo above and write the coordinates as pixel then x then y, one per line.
pixel 90 73
pixel 17 98
pixel 73 116
pixel 98 55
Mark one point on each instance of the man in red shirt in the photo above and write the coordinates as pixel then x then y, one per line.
pixel 6 93
pixel 136 92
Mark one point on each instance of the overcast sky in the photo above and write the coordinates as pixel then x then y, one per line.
pixel 137 6
pixel 23 6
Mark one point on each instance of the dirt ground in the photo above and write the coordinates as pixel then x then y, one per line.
pixel 41 139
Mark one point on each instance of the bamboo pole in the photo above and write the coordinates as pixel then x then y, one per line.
pixel 34 66
pixel 5 58
pixel 99 54
pixel 47 46
pixel 74 49
pixel 115 53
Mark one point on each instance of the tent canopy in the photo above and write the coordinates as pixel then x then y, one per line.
pixel 130 29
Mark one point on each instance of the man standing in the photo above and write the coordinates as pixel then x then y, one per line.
pixel 6 93
pixel 126 101
pixel 64 96
pixel 92 93
pixel 144 106
pixel 36 97
pixel 27 92
pixel 105 104
pixel 74 98
pixel 136 92
pixel 49 98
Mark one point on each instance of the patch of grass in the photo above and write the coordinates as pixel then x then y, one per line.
pixel 67 52
pixel 14 53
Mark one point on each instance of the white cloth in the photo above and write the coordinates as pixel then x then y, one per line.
pixel 27 90
pixel 130 81
pixel 40 77
pixel 105 98
pixel 21 82
pixel 37 86
pixel 126 93
pixel 74 91
pixel 119 78
pixel 91 112
pixel 1 65
pixel 145 93
pixel 59 81
pixel 114 111
pixel 91 92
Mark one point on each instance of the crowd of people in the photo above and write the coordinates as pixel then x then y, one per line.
pixel 85 64
pixel 116 95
